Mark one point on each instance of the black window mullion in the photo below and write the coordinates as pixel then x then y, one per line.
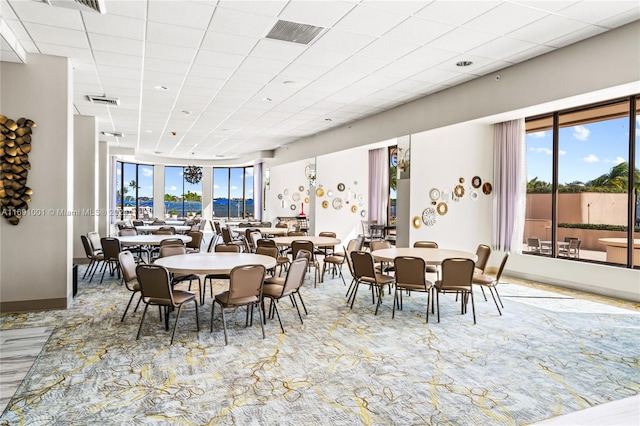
pixel 631 186
pixel 554 183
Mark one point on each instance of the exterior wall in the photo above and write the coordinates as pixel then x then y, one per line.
pixel 582 207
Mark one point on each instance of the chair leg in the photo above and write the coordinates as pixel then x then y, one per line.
pixel 197 316
pixel 261 323
pixel 438 303
pixel 175 324
pixel 473 308
pixel 302 301
pixel 485 296
pixel 224 326
pixel 353 296
pixel 293 300
pixel 146 305
pixel 428 300
pixel 275 307
pixel 498 294
pixel 494 300
pixel 213 307
pixel 395 301
pixel 128 304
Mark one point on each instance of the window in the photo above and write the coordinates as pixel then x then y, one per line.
pixel 580 205
pixel 134 190
pixel 233 192
pixel 181 198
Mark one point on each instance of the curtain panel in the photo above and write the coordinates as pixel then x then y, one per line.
pixel 378 185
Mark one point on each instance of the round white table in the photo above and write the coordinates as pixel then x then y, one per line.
pixel 153 228
pixel 432 256
pixel 263 231
pixel 213 263
pixel 317 241
pixel 150 240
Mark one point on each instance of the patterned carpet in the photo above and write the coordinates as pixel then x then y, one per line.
pixel 549 354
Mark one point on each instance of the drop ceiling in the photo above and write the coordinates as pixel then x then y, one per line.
pixel 201 79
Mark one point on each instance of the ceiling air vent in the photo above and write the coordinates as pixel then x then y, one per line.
pixel 103 100
pixel 84 5
pixel 294 32
pixel 114 134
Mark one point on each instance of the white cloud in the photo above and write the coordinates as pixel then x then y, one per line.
pixel 590 159
pixel 538 134
pixel 581 133
pixel 617 160
pixel 216 186
pixel 541 150
pixel 147 172
pixel 172 188
pixel 198 192
pixel 234 187
pixel 561 152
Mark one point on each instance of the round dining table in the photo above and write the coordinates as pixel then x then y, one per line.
pixel 263 231
pixel 317 241
pixel 152 228
pixel 431 256
pixel 149 240
pixel 213 263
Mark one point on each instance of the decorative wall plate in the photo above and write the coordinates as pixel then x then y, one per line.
pixel 320 192
pixel 354 208
pixel 329 193
pixel 476 182
pixel 306 200
pixel 442 208
pixel 461 180
pixel 434 194
pixel 337 203
pixel 292 207
pixel 301 188
pixel 360 197
pixel 474 195
pixel 295 196
pixel 341 187
pixel 286 192
pixel 458 191
pixel 280 197
pixel 416 222
pixel 325 204
pixel 363 213
pixel 429 216
pixel 487 188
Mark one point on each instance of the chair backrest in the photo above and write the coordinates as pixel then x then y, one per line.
pixel 196 239
pixel 88 250
pixel 366 227
pixel 265 225
pixel 265 242
pixel 327 234
pixel 227 248
pixel 94 239
pixel 504 262
pixel 376 232
pixel 574 243
pixel 166 251
pixel 216 227
pixel 301 245
pixel 128 266
pixel 251 235
pixel 282 225
pixel 137 222
pixel 362 263
pixel 457 273
pixel 172 242
pixel 155 284
pixel 410 270
pixel 359 242
pixel 303 254
pixel 295 275
pixel 226 235
pixel 110 247
pixel 533 242
pixel 296 234
pixel 166 230
pixel 426 244
pixel 483 252
pixel 351 246
pixel 245 284
pixel 379 245
pixel 158 222
pixel 127 232
pixel 268 251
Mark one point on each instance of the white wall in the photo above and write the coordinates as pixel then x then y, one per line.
pixel 85 166
pixel 439 158
pixel 36 255
pixel 104 183
pixel 286 178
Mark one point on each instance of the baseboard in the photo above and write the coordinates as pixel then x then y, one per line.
pixel 34 305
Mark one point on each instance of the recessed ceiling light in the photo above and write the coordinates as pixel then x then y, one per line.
pixel 185 112
pixel 158 152
pixel 267 99
pixel 161 87
pixel 464 63
pixel 328 119
pixel 288 82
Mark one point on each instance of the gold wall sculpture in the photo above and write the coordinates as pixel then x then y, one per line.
pixel 15 145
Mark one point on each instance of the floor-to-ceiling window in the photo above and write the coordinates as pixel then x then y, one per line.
pixel 580 203
pixel 181 198
pixel 134 190
pixel 233 192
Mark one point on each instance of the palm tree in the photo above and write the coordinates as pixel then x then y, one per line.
pixel 617 178
pixel 538 186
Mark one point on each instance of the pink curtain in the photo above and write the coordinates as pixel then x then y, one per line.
pixel 378 185
pixel 509 185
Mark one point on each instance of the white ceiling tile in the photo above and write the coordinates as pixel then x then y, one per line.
pixel 228 43
pixel 596 11
pixel 369 21
pixel 203 70
pixel 621 19
pixel 119 83
pixel 576 36
pixel 229 21
pixel 118 26
pixel 402 69
pixel 277 50
pixel 455 12
pixel 80 55
pixel 397 6
pixel 173 53
pixel 410 86
pixel 461 40
pixel 170 80
pixel 117 60
pixel 528 54
pixel 505 18
pixel 183 13
pixel 318 13
pixel 326 86
pixel 477 62
pixel 502 47
pixel 377 81
pixel 42 13
pixel 125 46
pixel 53 35
pixel 387 49
pixel 18 30
pixel 250 76
pixel 174 35
pixel 546 5
pixel 219 59
pixel 546 29
pixel 435 75
pixel 302 73
pixel 130 9
pixel 428 56
pixel 258 7
pixel 418 30
pixel 336 75
pixel 361 64
pixel 342 42
pixel 160 65
pixel 266 66
pixel 320 57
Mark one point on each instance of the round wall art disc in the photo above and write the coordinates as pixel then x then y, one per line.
pixel 442 209
pixel 487 188
pixel 320 192
pixel 429 216
pixel 476 182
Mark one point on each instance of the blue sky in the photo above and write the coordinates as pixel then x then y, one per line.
pixel 586 151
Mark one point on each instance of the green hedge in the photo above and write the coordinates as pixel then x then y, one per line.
pixel 599 227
